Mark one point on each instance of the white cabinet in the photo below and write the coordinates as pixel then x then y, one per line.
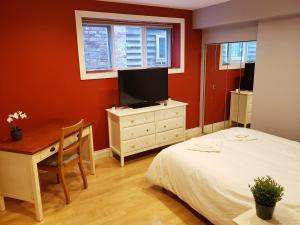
pixel 241 107
pixel 137 130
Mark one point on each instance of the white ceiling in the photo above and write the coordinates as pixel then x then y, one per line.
pixel 180 4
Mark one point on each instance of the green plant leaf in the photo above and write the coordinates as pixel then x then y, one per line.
pixel 266 191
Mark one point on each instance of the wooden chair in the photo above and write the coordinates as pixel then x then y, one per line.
pixel 66 157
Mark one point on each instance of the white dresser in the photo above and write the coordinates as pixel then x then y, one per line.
pixel 137 130
pixel 241 107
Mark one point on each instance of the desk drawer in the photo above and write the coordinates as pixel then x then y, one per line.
pixel 169 113
pixel 138 143
pixel 138 119
pixel 170 124
pixel 51 150
pixel 138 131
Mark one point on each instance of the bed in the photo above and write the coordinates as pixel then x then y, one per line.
pixel 215 183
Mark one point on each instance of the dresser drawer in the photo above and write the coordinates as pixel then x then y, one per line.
pixel 138 119
pixel 51 150
pixel 170 124
pixel 249 116
pixel 138 131
pixel 250 99
pixel 169 136
pixel 169 113
pixel 138 143
pixel 249 108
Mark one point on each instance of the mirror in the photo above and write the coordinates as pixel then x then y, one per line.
pixel 229 72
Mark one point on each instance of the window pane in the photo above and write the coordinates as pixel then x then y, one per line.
pixel 251 51
pixel 96 47
pixel 237 52
pixel 128 47
pixel 162 47
pixel 224 54
pixel 158 47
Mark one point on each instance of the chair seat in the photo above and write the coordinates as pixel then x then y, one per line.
pixel 52 160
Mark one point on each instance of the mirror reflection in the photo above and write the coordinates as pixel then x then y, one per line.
pixel 229 75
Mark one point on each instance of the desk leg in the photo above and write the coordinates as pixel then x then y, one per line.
pixel 36 191
pixel 2 203
pixel 91 151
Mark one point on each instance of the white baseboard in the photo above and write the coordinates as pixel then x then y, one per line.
pixel 210 128
pixel 193 132
pixel 106 152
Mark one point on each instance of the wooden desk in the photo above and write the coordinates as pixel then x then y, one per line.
pixel 18 161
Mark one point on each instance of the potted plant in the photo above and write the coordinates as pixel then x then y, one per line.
pixel 15 131
pixel 266 192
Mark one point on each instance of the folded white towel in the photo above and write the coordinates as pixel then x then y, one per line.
pixel 239 134
pixel 204 145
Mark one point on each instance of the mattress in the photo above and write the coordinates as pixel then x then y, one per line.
pixel 216 183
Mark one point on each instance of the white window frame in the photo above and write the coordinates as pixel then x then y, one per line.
pixel 79 15
pixel 232 66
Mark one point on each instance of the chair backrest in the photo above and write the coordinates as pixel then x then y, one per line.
pixel 73 147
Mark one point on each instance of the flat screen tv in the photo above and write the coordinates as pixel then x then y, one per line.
pixel 142 87
pixel 247 81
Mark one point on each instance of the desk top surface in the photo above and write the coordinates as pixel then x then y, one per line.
pixel 37 139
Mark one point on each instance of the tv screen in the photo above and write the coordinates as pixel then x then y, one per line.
pixel 247 81
pixel 142 86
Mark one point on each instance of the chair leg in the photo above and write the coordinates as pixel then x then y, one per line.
pixel 85 184
pixel 63 182
pixel 57 178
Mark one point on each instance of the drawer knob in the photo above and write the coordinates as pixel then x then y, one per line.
pixel 132 121
pixel 147 130
pixel 176 113
pixel 176 135
pixel 52 149
pixel 165 126
pixel 133 146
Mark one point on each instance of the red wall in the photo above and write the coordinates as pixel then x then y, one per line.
pixel 39 70
pixel 218 83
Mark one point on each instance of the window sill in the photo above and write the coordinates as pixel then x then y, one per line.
pixel 232 66
pixel 114 74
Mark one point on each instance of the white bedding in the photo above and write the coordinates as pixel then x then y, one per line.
pixel 216 183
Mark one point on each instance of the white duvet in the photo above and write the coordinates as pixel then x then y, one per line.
pixel 216 183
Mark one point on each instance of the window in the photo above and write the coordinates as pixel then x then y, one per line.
pixel 127 47
pixel 108 42
pixel 235 55
pixel 158 47
pixel 97 47
pixel 116 47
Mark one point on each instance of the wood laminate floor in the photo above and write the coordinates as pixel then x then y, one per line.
pixel 115 196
